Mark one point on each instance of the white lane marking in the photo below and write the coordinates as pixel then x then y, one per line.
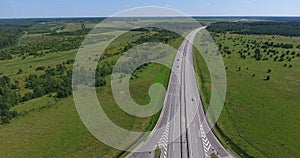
pixel 174 127
pixel 205 141
pixel 207 148
pixel 206 144
pixel 163 141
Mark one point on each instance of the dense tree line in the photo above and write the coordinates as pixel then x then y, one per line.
pixel 10 34
pixel 54 80
pixel 38 48
pixel 176 26
pixel 84 31
pixel 258 28
pixel 5 55
pixel 8 98
pixel 160 35
pixel 12 30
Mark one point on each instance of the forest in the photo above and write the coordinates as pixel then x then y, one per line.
pixel 8 98
pixel 257 28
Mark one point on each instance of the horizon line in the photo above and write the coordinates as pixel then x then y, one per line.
pixel 212 16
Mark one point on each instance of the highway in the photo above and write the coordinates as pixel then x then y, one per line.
pixel 182 130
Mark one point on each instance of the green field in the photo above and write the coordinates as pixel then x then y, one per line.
pixel 260 116
pixel 54 129
pixel 48 126
pixel 259 119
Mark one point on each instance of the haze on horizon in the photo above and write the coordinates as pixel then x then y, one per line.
pixel 94 8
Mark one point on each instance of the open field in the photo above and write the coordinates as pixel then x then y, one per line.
pixel 53 128
pixel 48 126
pixel 260 116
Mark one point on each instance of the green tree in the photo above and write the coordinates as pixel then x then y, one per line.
pixel 100 82
pixel 257 54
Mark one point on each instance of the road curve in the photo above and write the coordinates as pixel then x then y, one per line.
pixel 182 130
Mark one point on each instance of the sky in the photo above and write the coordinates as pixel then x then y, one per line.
pixel 104 8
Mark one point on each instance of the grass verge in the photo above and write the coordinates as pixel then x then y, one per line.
pixel 256 109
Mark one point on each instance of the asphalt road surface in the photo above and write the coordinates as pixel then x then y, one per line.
pixel 182 130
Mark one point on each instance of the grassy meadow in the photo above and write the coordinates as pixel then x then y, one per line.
pixel 52 128
pixel 48 126
pixel 260 116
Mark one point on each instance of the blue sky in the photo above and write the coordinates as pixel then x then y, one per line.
pixel 79 8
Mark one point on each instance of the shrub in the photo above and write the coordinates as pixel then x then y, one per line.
pixel 268 78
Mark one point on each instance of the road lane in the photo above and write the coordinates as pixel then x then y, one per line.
pixel 188 132
pixel 210 143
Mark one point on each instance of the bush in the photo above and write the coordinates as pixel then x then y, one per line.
pixel 20 71
pixel 38 91
pixel 27 96
pixel 4 119
pixel 63 92
pixel 40 68
pixel 100 82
